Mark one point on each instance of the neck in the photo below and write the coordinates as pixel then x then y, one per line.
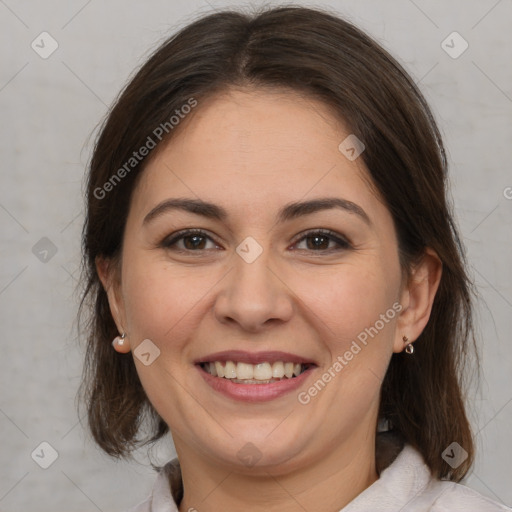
pixel 328 483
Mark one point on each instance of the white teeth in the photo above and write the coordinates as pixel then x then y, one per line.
pixel 254 381
pixel 278 370
pixel 230 370
pixel 288 370
pixel 261 372
pixel 244 371
pixel 219 368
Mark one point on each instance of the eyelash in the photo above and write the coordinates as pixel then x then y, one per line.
pixel 170 242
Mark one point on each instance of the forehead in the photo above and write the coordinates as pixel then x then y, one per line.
pixel 252 149
pixel 259 123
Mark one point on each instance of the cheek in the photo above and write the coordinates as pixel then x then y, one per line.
pixel 352 309
pixel 160 301
pixel 346 299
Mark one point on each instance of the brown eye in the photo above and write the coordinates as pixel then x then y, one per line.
pixel 194 242
pixel 319 241
pixel 190 240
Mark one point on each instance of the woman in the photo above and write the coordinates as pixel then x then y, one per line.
pixel 269 245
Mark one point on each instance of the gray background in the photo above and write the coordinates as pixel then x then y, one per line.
pixel 49 110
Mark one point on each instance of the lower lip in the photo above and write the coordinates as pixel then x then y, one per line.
pixel 254 392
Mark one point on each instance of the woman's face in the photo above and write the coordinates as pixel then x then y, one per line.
pixel 295 260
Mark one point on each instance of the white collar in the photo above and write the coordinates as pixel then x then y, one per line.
pixel 406 485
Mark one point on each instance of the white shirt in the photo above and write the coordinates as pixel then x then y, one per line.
pixel 404 486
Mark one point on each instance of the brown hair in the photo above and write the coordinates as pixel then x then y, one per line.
pixel 324 57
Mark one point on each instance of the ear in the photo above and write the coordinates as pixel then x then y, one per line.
pixel 417 298
pixel 109 276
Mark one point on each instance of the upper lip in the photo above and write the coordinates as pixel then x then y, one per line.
pixel 253 357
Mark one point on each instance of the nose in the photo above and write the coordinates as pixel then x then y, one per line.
pixel 253 296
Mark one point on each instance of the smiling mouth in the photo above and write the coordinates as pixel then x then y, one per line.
pixel 261 373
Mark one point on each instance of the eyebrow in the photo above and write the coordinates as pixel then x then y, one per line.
pixel 288 212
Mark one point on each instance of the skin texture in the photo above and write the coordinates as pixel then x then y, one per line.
pixel 253 152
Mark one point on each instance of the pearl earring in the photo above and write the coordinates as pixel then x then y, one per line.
pixel 119 340
pixel 409 349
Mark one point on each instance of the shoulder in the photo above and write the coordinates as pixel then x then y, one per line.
pixel 406 484
pixel 443 496
pixel 433 495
